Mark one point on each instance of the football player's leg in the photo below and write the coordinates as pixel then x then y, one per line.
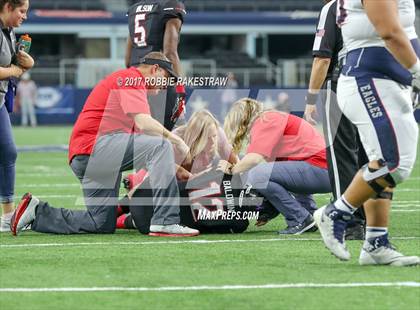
pixel 383 114
pixel 388 133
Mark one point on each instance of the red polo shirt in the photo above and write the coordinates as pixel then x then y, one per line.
pixel 110 107
pixel 280 136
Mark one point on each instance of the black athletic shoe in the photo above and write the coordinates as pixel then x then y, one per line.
pixel 356 232
pixel 307 225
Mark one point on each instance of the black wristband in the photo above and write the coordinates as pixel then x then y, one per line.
pixel 311 99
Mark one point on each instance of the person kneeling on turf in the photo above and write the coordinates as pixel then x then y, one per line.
pixel 285 155
pixel 207 142
pixel 114 133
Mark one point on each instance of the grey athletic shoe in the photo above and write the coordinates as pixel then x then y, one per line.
pixel 332 224
pixel 379 251
pixel 307 225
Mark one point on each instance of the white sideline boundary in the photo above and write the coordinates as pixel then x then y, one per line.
pixel 207 287
pixel 203 241
pixel 414 210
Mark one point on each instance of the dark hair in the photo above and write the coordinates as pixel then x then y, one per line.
pixel 13 3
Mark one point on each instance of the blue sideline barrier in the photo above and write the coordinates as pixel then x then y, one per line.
pixel 62 105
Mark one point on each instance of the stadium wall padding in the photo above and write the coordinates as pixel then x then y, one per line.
pixel 62 105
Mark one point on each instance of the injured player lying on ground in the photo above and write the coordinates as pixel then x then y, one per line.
pixel 212 202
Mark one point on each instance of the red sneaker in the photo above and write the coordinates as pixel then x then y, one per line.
pixel 24 214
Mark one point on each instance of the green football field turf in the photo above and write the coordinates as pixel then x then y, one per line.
pixel 254 270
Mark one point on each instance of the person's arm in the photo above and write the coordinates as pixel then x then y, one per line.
pixel 150 126
pixel 182 174
pixel 233 158
pixel 249 161
pixel 327 42
pixel 128 52
pixel 385 18
pixel 12 71
pixel 319 72
pixel 170 43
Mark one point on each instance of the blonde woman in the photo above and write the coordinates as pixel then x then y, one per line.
pixel 208 144
pixel 207 141
pixel 284 155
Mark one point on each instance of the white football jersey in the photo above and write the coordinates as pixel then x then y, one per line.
pixel 358 31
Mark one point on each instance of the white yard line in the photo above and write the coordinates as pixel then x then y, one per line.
pixel 47 185
pixel 203 241
pixel 53 196
pixel 405 210
pixel 43 175
pixel 207 287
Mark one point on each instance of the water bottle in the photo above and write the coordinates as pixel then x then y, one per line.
pixel 24 43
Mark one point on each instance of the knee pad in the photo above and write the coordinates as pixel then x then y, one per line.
pixel 384 195
pixel 371 176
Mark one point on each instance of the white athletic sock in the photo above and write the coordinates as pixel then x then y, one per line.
pixel 343 205
pixel 374 232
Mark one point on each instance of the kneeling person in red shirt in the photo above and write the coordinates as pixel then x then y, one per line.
pixel 114 133
pixel 285 160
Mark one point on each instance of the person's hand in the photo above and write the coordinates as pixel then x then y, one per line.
pixel 16 70
pixel 182 174
pixel 415 97
pixel 260 223
pixel 415 71
pixel 25 60
pixel 266 212
pixel 224 166
pixel 310 114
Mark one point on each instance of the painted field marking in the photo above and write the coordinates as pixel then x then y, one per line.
pixel 45 175
pixel 203 241
pixel 47 185
pixel 206 287
pixel 405 210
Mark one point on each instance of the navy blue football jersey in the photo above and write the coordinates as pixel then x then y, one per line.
pixel 212 203
pixel 146 23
